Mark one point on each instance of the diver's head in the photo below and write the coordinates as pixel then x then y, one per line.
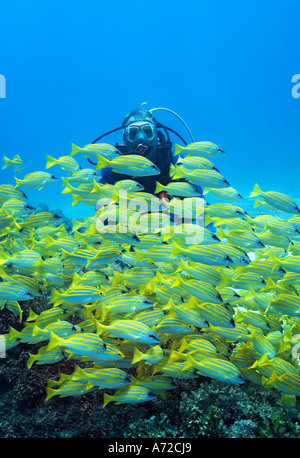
pixel 140 132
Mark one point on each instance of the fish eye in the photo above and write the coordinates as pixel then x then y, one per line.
pixel 227 258
pixel 53 177
pixel 153 336
pixel 28 293
pixel 154 166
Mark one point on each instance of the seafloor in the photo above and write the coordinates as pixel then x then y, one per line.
pixel 198 408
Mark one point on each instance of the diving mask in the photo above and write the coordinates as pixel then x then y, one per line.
pixel 147 129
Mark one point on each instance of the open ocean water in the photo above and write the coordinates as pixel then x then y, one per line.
pixel 73 71
pixel 70 71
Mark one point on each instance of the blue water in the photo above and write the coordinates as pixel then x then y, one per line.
pixel 74 69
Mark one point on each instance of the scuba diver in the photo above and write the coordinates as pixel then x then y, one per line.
pixel 144 135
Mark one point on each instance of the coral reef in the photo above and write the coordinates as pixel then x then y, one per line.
pixel 200 408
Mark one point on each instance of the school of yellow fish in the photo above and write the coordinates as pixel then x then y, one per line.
pixel 141 297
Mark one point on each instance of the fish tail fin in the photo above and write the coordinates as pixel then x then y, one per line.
pixel 137 356
pixel 159 187
pixel 138 254
pixel 78 374
pixel 177 149
pixel 55 297
pixel 76 280
pixel 224 281
pixel 118 278
pixel 18 182
pixel 207 220
pixel 75 150
pixel 172 170
pixel 5 162
pixel 67 187
pixel 182 266
pixel 104 311
pixel 268 287
pixel 54 341
pixel 189 362
pixel 66 184
pixel 106 399
pixel 100 328
pixel 251 294
pixel 177 282
pixel 158 278
pixel 49 241
pixel 167 234
pixel 36 331
pixel 31 360
pixel 32 316
pixel 178 173
pixel 50 393
pixel 220 233
pixel 50 161
pixel 97 187
pixel 3 257
pixel 256 191
pixel 76 199
pixel 184 345
pixel 102 162
pixel 170 305
pixel 14 334
pixel 77 224
pixel 271 381
pixel 275 260
pixel 176 250
pixel 258 203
